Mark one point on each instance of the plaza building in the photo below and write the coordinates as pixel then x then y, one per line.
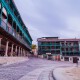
pixel 15 39
pixel 58 49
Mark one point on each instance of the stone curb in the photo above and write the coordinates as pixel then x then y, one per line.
pixel 59 74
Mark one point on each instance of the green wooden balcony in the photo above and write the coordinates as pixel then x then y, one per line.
pixel 11 12
pixel 69 45
pixel 49 45
pixel 70 51
pixel 10 31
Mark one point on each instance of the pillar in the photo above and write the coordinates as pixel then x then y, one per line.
pixel 12 50
pixel 16 51
pixel 70 58
pixel 24 53
pixel 0 43
pixel 19 51
pixel 47 56
pixel 6 51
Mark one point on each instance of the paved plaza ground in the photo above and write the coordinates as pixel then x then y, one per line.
pixel 69 73
pixel 38 69
pixel 10 60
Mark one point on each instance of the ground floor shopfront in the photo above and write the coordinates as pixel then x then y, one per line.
pixel 70 58
pixel 50 57
pixel 59 57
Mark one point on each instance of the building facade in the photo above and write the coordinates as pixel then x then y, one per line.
pixel 58 49
pixel 15 39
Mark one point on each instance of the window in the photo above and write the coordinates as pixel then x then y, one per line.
pixel 7 1
pixel 63 49
pixel 0 5
pixel 4 15
pixel 4 11
pixel 0 8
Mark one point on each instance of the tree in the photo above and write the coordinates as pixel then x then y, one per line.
pixel 33 46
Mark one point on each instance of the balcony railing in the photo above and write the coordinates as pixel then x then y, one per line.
pixel 69 45
pixel 9 27
pixel 11 31
pixel 50 44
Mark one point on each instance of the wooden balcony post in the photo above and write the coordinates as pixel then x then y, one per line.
pixel 12 49
pixel 19 52
pixel 0 43
pixel 22 52
pixel 16 50
pixel 6 51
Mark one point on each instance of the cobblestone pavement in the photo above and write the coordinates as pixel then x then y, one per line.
pixel 18 70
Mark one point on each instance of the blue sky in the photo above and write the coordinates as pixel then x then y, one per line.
pixel 51 17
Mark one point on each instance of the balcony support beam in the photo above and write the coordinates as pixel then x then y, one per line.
pixel 16 51
pixel 12 49
pixel 6 51
pixel 19 52
pixel 0 43
pixel 24 52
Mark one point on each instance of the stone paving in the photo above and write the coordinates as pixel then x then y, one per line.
pixel 32 75
pixel 70 73
pixel 11 60
pixel 33 69
pixel 74 73
pixel 46 74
